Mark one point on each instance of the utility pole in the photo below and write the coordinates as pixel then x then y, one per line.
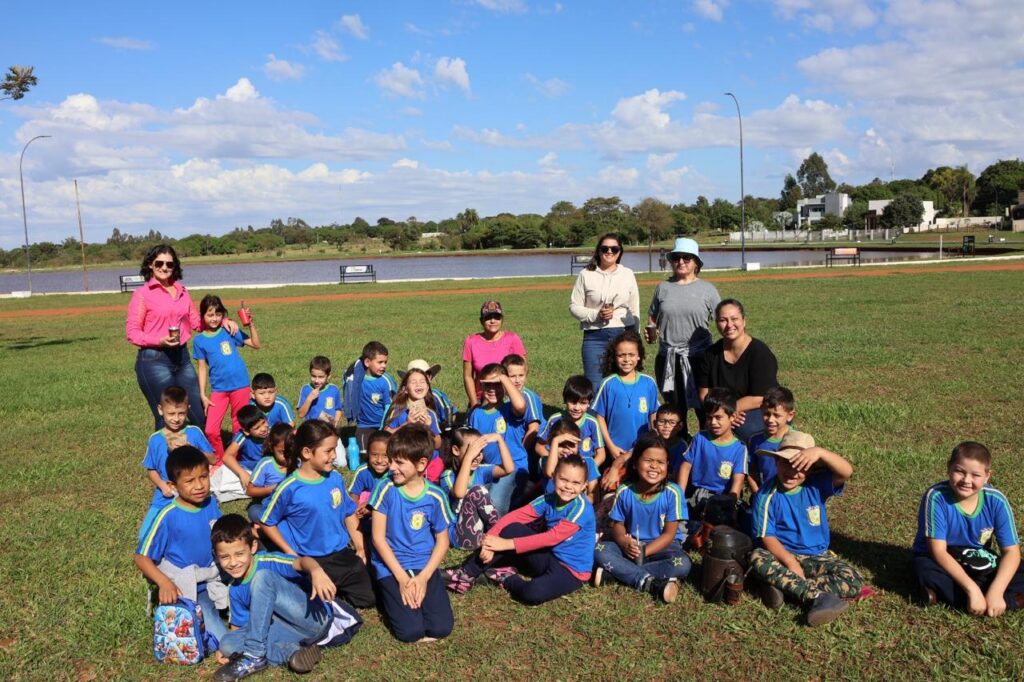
pixel 81 239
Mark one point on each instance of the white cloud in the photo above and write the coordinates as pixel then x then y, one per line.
pixel 549 160
pixel 125 43
pixel 551 87
pixel 502 6
pixel 406 163
pixel 353 25
pixel 280 69
pixel 663 180
pixel 618 178
pixel 452 70
pixel 400 80
pixel 646 109
pixel 827 15
pixel 710 9
pixel 327 48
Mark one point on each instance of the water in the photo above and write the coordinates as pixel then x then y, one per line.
pixel 417 267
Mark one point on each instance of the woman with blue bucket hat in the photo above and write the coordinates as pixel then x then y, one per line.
pixel 678 318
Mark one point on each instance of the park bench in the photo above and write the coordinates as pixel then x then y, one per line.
pixel 357 273
pixel 577 263
pixel 850 253
pixel 131 282
pixel 968 246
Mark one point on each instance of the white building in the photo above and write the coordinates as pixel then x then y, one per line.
pixel 809 211
pixel 876 206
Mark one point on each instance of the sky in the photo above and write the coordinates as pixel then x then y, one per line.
pixel 192 117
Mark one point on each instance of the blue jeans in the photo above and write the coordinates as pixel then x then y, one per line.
pixel 753 425
pixel 671 562
pixel 158 368
pixel 215 625
pixel 509 489
pixel 595 343
pixel 281 617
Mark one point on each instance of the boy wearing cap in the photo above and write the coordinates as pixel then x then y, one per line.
pixel 791 524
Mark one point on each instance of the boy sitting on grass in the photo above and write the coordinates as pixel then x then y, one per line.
pixel 790 521
pixel 246 448
pixel 956 524
pixel 275 408
pixel 778 409
pixel 175 553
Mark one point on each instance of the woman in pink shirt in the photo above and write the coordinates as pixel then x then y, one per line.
pixel 487 346
pixel 161 320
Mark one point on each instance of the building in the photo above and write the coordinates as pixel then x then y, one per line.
pixel 876 206
pixel 810 211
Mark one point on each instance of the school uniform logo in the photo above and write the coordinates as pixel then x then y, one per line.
pixel 814 515
pixel 500 426
pixel 329 403
pixel 375 398
pixel 642 405
pixel 725 470
pixel 416 520
pixel 986 535
pixel 335 498
pixel 585 446
pixel 225 348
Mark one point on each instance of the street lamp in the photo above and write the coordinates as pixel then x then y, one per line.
pixel 24 214
pixel 743 193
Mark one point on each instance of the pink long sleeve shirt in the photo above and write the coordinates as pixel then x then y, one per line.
pixel 152 311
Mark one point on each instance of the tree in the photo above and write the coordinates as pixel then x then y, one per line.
pixel 853 216
pixel 956 186
pixel 360 226
pixel 467 219
pixel 813 176
pixel 906 210
pixel 559 225
pixel 601 215
pixel 654 218
pixel 17 82
pixel 998 186
pixel 790 194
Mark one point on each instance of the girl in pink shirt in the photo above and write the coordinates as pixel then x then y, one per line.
pixel 488 346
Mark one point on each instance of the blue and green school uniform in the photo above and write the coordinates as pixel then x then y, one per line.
pixel 482 475
pixel 364 481
pixel 268 472
pixel 627 407
pixel 327 403
pixel 502 420
pixel 590 433
pixel 281 412
pixel 763 467
pixel 375 399
pixel 714 464
pixel 412 524
pixel 577 551
pixel 401 417
pixel 534 407
pixel 796 518
pixel 181 534
pixel 645 519
pixel 219 350
pixel 156 459
pixel 250 450
pixel 445 409
pixel 240 594
pixel 940 518
pixel 315 510
pixel 593 474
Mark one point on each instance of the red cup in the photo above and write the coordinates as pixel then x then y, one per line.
pixel 244 316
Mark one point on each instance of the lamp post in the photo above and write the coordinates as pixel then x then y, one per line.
pixel 24 213
pixel 743 192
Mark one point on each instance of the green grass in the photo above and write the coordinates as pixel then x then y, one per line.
pixel 891 371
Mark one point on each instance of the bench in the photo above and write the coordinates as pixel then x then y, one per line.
pixel 357 273
pixel 850 253
pixel 577 263
pixel 131 282
pixel 968 247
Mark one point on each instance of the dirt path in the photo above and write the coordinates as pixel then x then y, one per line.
pixel 549 286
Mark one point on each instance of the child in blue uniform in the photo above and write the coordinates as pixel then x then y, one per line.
pixel 512 420
pixel 668 423
pixel 577 394
pixel 270 470
pixel 175 553
pixel 791 526
pixel 410 538
pixel 517 370
pixel 446 411
pixel 320 399
pixel 566 440
pixel 627 400
pixel 278 602
pixel 376 392
pixel 957 524
pixel 173 409
pixel 219 364
pixel 366 478
pixel 414 403
pixel 559 558
pixel 645 549
pixel 275 408
pixel 465 482
pixel 778 409
pixel 246 447
pixel 320 516
pixel 716 461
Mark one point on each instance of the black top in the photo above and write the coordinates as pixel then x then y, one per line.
pixel 754 372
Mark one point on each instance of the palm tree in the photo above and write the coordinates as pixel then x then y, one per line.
pixel 17 82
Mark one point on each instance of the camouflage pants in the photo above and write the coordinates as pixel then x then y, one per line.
pixel 823 573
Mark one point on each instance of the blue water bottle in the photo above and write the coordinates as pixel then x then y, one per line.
pixel 353 454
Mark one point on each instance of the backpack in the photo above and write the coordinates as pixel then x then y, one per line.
pixel 352 389
pixel 179 633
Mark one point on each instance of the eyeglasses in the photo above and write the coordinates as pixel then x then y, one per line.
pixel 666 422
pixel 157 264
pixel 685 257
pixel 610 249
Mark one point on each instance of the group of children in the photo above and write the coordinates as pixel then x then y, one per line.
pixel 607 488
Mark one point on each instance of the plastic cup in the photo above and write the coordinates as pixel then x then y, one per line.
pixel 175 333
pixel 244 316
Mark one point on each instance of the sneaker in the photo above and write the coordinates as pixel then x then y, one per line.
pixel 498 576
pixel 598 577
pixel 825 609
pixel 928 596
pixel 304 660
pixel 771 596
pixel 457 580
pixel 664 589
pixel 243 666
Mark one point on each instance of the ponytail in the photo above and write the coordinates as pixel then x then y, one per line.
pixel 309 435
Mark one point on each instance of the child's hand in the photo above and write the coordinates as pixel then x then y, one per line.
pixel 562 439
pixel 486 555
pixel 175 440
pixel 976 602
pixel 361 553
pixel 362 510
pixel 738 418
pixel 631 549
pixel 805 459
pixel 206 403
pixel 166 490
pixel 323 586
pixel 169 592
pixel 412 592
pixel 314 394
pixel 996 605
pixel 230 326
pixel 495 543
pixel 245 479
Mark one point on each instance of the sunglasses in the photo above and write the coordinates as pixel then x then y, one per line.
pixel 491 316
pixel 610 249
pixel 685 257
pixel 157 264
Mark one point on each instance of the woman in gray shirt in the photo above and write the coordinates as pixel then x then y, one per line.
pixel 678 317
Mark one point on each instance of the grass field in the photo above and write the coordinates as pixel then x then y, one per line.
pixel 891 371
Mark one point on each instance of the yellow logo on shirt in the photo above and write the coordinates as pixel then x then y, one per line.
pixel 642 405
pixel 986 535
pixel 225 348
pixel 335 498
pixel 499 426
pixel 375 398
pixel 585 446
pixel 416 521
pixel 725 470
pixel 814 515
pixel 329 403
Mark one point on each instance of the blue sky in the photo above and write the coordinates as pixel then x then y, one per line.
pixel 203 116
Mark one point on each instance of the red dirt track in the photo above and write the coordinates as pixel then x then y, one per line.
pixel 550 286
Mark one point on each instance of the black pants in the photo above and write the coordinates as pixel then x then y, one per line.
pixel 930 574
pixel 434 618
pixel 348 573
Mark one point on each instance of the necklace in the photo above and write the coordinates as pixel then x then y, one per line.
pixel 630 389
